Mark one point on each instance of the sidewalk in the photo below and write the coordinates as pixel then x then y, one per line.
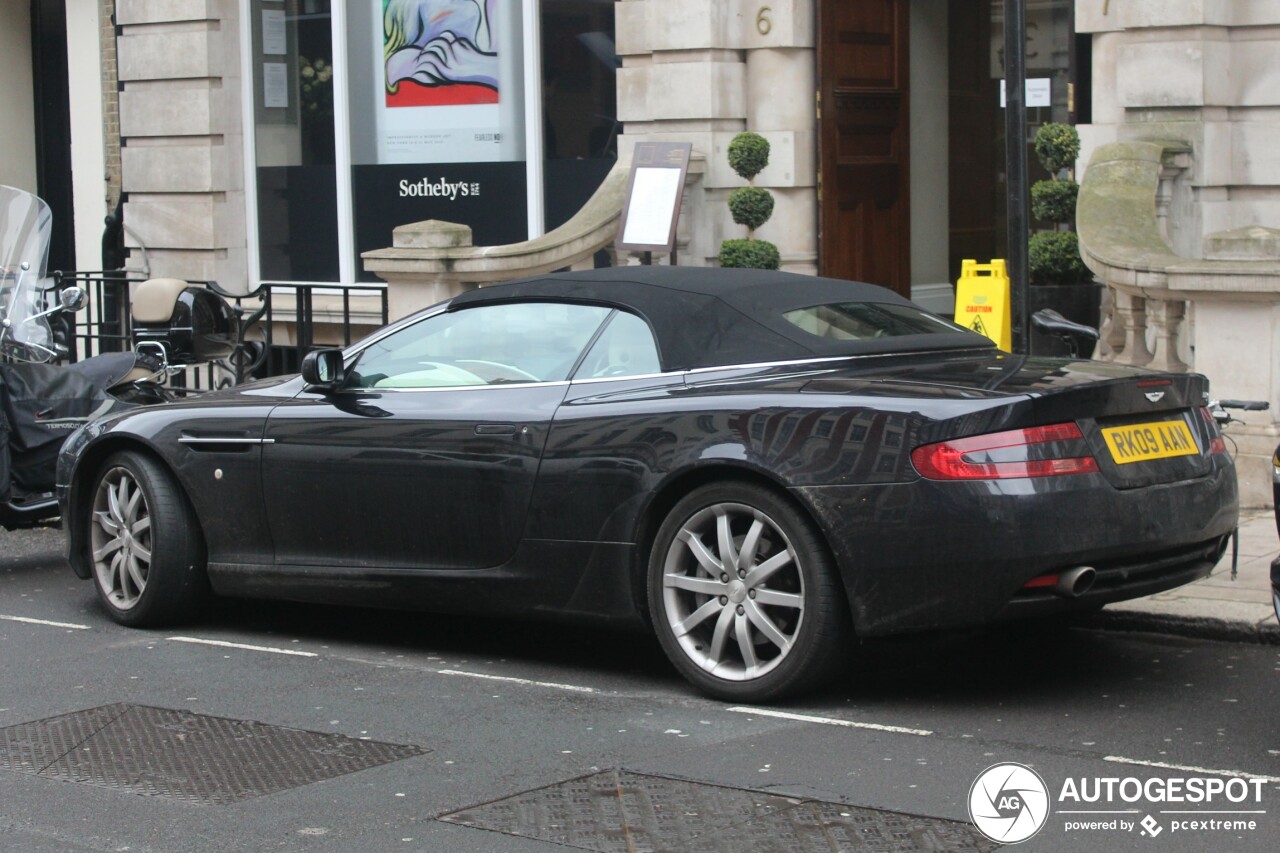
pixel 1216 607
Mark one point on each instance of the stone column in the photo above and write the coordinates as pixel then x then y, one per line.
pixel 1165 318
pixel 180 122
pixel 1131 317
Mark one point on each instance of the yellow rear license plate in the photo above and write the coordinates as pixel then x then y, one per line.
pixel 1144 442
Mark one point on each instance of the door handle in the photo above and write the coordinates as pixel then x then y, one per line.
pixel 495 429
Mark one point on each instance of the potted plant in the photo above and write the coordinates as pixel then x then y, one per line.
pixel 750 205
pixel 1059 279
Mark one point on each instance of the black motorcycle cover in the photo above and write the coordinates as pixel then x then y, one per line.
pixel 4 450
pixel 40 405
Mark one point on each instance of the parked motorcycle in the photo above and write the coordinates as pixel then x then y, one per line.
pixel 42 401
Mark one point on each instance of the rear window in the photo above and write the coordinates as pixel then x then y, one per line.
pixel 860 321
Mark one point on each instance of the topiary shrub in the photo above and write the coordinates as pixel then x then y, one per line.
pixel 750 254
pixel 1054 201
pixel 1057 146
pixel 750 206
pixel 748 154
pixel 1054 258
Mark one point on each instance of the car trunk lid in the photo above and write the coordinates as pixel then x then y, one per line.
pixel 1142 428
pixel 1146 431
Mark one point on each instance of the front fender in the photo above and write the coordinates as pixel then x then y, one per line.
pixel 78 462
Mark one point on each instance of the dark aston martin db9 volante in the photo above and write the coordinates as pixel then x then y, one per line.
pixel 757 465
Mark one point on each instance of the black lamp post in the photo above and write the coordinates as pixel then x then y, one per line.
pixel 1015 146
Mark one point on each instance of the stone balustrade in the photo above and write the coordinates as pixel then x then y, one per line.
pixel 431 261
pixel 1174 313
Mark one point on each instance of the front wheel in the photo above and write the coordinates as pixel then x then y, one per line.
pixel 744 596
pixel 144 544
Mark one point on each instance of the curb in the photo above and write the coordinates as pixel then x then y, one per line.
pixel 1195 627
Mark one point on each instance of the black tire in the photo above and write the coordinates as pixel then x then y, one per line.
pixel 798 594
pixel 153 574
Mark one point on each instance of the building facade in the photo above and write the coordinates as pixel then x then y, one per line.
pixel 279 140
pixel 271 141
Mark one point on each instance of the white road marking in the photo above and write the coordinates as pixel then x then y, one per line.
pixel 245 646
pixel 510 680
pixel 31 621
pixel 832 721
pixel 1188 768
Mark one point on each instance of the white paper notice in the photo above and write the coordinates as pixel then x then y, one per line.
pixel 1039 92
pixel 274 39
pixel 275 84
pixel 653 203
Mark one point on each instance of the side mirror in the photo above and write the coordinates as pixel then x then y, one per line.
pixel 71 298
pixel 323 370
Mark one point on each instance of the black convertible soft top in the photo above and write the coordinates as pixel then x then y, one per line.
pixel 709 316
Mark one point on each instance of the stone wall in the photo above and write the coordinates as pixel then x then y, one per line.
pixel 17 132
pixel 1199 71
pixel 180 122
pixel 701 71
pixel 110 103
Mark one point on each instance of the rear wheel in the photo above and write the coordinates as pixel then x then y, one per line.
pixel 144 544
pixel 744 596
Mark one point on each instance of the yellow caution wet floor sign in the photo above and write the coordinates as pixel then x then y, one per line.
pixel 982 301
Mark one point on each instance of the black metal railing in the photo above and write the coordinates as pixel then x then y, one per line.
pixel 312 315
pixel 337 327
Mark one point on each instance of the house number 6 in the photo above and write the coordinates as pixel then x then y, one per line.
pixel 764 24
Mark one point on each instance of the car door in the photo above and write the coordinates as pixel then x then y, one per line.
pixel 427 456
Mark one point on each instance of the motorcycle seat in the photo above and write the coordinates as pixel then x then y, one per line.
pixel 116 368
pixel 155 298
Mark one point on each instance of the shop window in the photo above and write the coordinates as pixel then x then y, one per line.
pixel 434 100
pixel 437 118
pixel 292 69
pixel 579 103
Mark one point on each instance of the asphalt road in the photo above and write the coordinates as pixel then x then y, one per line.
pixel 493 709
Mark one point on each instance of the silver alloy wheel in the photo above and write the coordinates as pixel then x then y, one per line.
pixel 733 590
pixel 120 536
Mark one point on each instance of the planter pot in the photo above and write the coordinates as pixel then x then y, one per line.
pixel 1079 303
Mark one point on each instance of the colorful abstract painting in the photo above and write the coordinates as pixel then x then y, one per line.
pixel 439 52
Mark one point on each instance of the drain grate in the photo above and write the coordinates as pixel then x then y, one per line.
pixel 185 756
pixel 621 811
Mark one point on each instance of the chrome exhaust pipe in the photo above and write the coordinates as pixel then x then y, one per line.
pixel 1074 583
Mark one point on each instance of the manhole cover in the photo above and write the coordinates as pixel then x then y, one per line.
pixel 186 756
pixel 622 811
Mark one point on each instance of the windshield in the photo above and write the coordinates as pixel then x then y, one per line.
pixel 25 224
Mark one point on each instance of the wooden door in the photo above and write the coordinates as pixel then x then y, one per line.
pixel 863 143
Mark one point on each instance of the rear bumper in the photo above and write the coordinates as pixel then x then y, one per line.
pixel 1121 580
pixel 928 555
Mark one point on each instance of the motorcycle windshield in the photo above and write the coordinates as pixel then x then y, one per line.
pixel 25 225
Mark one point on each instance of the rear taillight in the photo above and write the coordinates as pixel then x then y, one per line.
pixel 1035 452
pixel 1216 444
